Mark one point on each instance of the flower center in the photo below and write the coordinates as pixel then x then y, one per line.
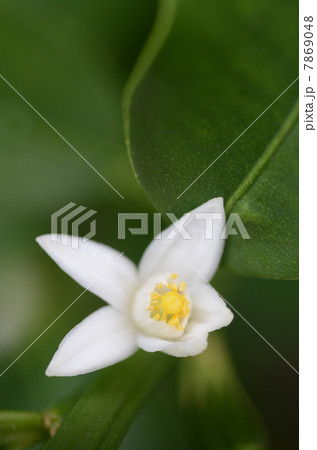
pixel 172 302
pixel 169 304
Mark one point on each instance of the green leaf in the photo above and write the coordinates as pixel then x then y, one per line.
pixel 270 213
pixel 101 417
pixel 207 72
pixel 216 411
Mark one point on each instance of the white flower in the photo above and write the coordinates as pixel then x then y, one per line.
pixel 164 305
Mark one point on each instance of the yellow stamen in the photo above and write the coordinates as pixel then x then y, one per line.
pixel 156 307
pixel 185 311
pixel 173 286
pixel 155 295
pixel 169 305
pixel 174 322
pixel 163 318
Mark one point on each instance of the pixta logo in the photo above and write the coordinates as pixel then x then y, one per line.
pixel 66 220
pixel 233 225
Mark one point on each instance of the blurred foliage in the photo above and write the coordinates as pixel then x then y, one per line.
pixel 71 61
pixel 215 409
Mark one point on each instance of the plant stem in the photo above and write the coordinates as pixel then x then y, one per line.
pixel 20 429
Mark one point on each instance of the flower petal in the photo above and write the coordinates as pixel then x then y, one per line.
pixel 209 311
pixel 181 347
pixel 104 338
pixel 201 251
pixel 190 347
pixel 94 266
pixel 152 343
